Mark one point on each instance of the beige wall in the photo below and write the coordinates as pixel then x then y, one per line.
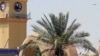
pixel 12 34
pixel 12 30
pixel 17 34
pixel 4 35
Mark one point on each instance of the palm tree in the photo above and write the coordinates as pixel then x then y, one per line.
pixel 57 33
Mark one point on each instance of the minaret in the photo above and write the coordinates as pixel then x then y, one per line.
pixel 13 19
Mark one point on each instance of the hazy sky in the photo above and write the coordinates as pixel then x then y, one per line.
pixel 87 13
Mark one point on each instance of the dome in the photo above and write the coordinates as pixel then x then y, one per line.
pixel 71 50
pixel 68 50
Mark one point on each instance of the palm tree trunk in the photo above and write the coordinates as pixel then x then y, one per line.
pixel 59 51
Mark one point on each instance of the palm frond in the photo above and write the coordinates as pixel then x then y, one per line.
pixel 52 30
pixel 92 49
pixel 38 29
pixel 81 34
pixel 80 41
pixel 70 31
pixel 30 44
pixel 44 35
pixel 83 43
pixel 66 21
pixel 47 25
pixel 45 51
pixel 55 23
pixel 60 23
pixel 44 23
pixel 70 27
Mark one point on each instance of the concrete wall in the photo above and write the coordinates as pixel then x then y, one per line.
pixel 12 33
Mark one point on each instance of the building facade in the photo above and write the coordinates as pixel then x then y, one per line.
pixel 13 19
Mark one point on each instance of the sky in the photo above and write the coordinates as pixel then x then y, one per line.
pixel 87 13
